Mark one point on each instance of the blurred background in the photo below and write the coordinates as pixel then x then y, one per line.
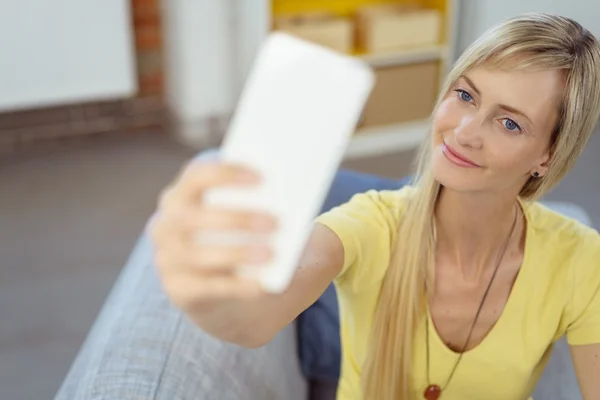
pixel 102 101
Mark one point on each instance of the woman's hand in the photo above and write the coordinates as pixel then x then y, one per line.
pixel 197 273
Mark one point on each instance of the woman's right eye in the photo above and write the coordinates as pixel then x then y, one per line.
pixel 464 95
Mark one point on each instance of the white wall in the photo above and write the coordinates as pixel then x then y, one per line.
pixel 478 15
pixel 62 51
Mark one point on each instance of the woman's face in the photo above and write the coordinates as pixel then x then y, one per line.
pixel 492 130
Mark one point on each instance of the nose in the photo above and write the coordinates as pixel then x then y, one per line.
pixel 468 132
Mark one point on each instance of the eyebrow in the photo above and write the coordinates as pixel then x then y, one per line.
pixel 503 106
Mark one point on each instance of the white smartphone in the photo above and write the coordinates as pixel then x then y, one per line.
pixel 295 117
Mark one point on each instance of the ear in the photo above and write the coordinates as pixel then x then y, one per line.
pixel 542 164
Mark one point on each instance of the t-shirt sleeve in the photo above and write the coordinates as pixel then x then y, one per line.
pixel 584 308
pixel 366 226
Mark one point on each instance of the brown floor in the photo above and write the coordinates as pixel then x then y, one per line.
pixel 69 215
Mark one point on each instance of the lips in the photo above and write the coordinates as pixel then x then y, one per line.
pixel 456 158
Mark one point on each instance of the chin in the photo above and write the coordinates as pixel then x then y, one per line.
pixel 456 178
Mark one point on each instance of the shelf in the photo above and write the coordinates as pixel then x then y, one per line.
pixel 387 139
pixel 338 7
pixel 421 54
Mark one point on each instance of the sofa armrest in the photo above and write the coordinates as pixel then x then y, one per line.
pixel 143 348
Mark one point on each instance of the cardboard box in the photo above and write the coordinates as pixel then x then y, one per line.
pixel 325 29
pixel 402 93
pixel 385 28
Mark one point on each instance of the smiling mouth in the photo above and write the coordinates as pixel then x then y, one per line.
pixel 456 158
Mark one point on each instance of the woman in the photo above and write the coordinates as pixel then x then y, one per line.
pixel 457 286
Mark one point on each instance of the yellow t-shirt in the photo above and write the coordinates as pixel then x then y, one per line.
pixel 556 293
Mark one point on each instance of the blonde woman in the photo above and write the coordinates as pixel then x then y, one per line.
pixel 457 286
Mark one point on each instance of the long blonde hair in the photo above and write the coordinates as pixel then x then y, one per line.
pixel 529 41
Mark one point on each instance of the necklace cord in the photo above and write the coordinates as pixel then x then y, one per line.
pixel 487 290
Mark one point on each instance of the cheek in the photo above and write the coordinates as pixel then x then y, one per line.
pixel 508 155
pixel 446 118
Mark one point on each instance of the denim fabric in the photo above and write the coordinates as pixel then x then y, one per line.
pixel 318 326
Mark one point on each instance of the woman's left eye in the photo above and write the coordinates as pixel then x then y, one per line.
pixel 511 125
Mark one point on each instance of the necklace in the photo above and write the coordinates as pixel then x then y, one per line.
pixel 433 391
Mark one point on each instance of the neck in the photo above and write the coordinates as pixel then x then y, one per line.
pixel 472 229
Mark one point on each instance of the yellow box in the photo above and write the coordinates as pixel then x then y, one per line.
pixel 389 27
pixel 327 30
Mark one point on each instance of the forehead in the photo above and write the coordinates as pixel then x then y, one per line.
pixel 535 93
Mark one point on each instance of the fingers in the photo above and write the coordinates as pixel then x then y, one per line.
pixel 185 224
pixel 195 255
pixel 190 293
pixel 198 177
pixel 196 275
pixel 205 238
pixel 212 258
pixel 223 219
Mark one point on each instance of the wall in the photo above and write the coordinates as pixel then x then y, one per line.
pixel 132 62
pixel 64 51
pixel 478 15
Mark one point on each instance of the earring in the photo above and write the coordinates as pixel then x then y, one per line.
pixel 536 174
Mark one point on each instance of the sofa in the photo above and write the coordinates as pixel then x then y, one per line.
pixel 142 348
